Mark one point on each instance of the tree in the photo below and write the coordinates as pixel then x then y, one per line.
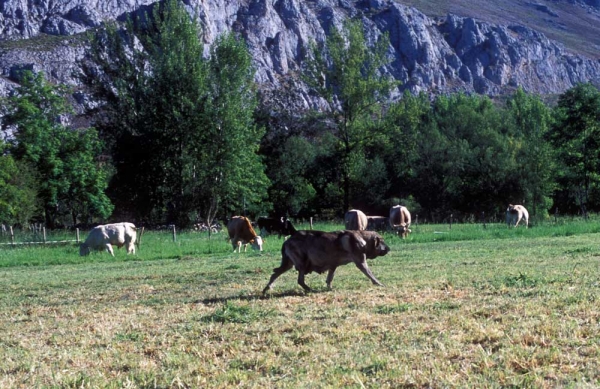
pixel 535 157
pixel 348 73
pixel 230 170
pixel 184 140
pixel 70 180
pixel 18 195
pixel 465 160
pixel 576 136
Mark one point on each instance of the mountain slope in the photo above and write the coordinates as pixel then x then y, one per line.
pixel 488 50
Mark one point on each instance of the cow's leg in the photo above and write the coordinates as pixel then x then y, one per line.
pixel 330 277
pixel 301 281
pixel 363 267
pixel 110 249
pixel 286 265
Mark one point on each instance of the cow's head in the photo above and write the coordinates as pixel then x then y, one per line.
pixel 403 230
pixel 257 243
pixel 84 249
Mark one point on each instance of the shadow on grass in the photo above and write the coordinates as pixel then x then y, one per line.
pixel 259 296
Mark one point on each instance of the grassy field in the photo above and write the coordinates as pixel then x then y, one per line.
pixel 462 307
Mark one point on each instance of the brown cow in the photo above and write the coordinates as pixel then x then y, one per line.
pixel 320 251
pixel 516 213
pixel 241 232
pixel 355 220
pixel 400 220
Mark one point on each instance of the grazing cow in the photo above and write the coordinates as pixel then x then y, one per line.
pixel 355 220
pixel 320 251
pixel 241 232
pixel 107 235
pixel 281 226
pixel 377 223
pixel 400 220
pixel 516 213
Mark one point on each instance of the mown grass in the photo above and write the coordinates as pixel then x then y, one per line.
pixel 505 308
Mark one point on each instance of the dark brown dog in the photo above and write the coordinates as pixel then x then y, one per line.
pixel 320 251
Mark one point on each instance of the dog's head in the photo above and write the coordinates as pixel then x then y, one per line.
pixel 374 244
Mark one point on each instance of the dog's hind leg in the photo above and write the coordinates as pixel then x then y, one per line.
pixel 301 280
pixel 286 264
pixel 330 277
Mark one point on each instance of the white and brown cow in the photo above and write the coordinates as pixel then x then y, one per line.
pixel 400 220
pixel 515 214
pixel 105 236
pixel 241 233
pixel 355 220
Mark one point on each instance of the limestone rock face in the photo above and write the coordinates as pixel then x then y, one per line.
pixel 431 55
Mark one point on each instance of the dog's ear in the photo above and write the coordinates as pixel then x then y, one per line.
pixel 352 240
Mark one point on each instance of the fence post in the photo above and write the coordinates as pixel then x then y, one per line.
pixel 139 242
pixel 451 221
pixel 483 217
pixel 174 234
pixel 12 236
pixel 311 225
pixel 556 215
pixel 77 235
pixel 44 234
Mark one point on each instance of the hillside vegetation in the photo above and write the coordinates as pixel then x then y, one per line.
pixel 575 25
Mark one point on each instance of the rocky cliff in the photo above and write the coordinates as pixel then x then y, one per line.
pixel 433 55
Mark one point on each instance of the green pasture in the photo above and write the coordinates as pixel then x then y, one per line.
pixel 465 306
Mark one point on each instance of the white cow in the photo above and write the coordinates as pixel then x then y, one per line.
pixel 516 213
pixel 103 237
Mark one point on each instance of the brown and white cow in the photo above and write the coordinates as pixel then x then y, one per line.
pixel 400 220
pixel 241 233
pixel 355 220
pixel 516 213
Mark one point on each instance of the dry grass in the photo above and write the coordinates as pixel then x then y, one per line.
pixel 520 312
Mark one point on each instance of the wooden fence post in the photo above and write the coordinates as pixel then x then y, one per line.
pixel 44 234
pixel 12 236
pixel 174 234
pixel 139 242
pixel 483 217
pixel 77 235
pixel 451 221
pixel 311 225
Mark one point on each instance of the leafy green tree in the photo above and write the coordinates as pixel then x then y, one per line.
pixel 181 125
pixel 576 136
pixel 18 195
pixel 231 172
pixel 466 162
pixel 534 155
pixel 347 72
pixel 70 180
pixel 404 127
